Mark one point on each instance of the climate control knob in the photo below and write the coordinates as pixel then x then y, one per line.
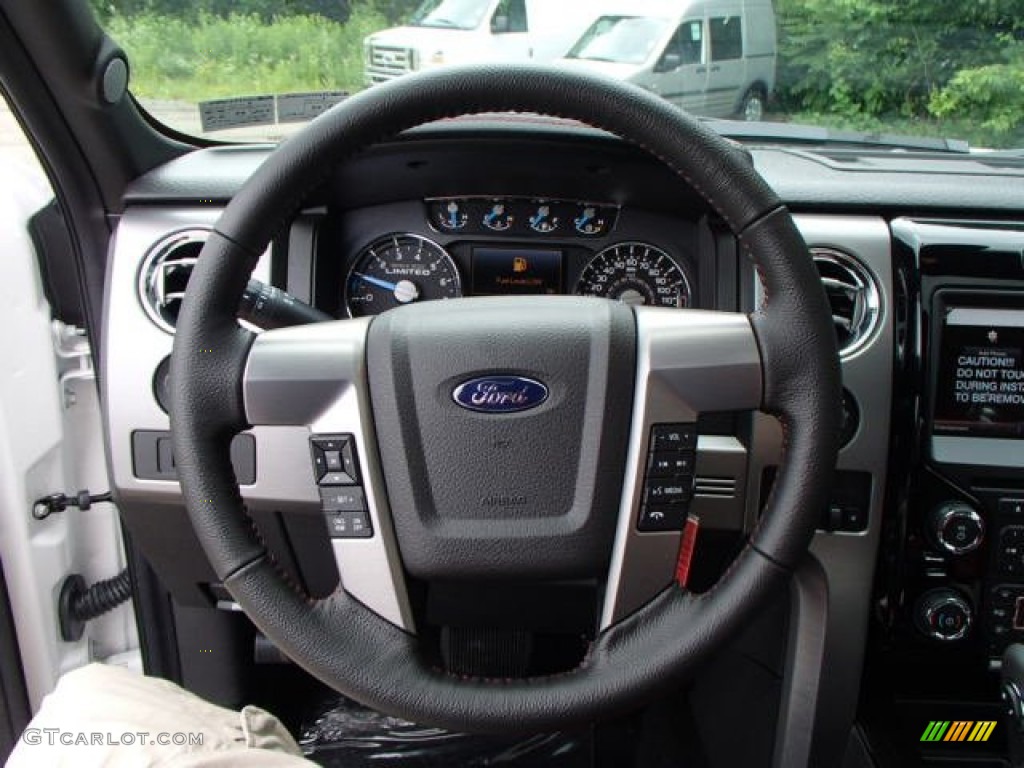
pixel 943 614
pixel 956 528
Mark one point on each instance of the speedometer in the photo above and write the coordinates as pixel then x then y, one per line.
pixel 397 270
pixel 635 273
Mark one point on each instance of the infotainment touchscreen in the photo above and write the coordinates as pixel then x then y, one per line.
pixel 980 386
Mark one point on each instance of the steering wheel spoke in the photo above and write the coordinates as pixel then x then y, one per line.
pixel 688 362
pixel 314 377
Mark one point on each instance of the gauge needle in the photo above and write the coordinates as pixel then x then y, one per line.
pixel 376 281
pixel 404 290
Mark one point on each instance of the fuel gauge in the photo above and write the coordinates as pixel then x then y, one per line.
pixel 545 218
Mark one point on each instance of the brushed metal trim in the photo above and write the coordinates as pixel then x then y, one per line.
pixel 847 559
pixel 688 362
pixel 314 376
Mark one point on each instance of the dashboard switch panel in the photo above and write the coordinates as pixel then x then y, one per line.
pixel 1011 552
pixel 153 456
pixel 1005 614
pixel 669 480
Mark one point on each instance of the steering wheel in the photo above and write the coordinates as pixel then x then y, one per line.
pixel 550 490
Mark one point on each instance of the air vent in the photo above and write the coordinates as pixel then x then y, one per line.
pixel 715 487
pixel 852 294
pixel 165 273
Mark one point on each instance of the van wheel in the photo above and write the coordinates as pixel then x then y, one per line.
pixel 752 106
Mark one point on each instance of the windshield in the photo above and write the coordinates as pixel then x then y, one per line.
pixel 451 14
pixel 621 39
pixel 880 70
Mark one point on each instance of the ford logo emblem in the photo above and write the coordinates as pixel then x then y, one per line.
pixel 500 394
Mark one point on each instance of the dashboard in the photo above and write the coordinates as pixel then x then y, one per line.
pixel 496 246
pixel 921 547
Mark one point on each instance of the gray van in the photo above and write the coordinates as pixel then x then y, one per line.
pixel 710 57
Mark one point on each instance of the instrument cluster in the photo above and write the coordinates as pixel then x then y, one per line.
pixel 513 246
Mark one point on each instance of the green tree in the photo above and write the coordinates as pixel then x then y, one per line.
pixel 336 10
pixel 885 57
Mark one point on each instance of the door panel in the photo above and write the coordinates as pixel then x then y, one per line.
pixel 727 68
pixel 684 85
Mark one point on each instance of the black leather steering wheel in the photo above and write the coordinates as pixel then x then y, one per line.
pixel 611 371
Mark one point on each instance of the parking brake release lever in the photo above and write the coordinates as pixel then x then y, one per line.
pixel 1013 697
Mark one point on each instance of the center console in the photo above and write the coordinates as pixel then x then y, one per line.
pixel 968 547
pixel 951 593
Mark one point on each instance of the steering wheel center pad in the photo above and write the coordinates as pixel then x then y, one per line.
pixel 532 493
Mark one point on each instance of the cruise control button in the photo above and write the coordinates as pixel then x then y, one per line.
pixel 667 491
pixel 349 525
pixel 670 517
pixel 673 437
pixel 670 464
pixel 343 499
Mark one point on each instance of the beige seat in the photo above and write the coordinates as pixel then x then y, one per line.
pixel 110 716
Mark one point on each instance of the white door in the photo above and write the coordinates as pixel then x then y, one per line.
pixel 510 32
pixel 680 75
pixel 727 67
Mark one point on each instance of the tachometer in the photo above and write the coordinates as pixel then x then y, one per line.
pixel 397 270
pixel 635 273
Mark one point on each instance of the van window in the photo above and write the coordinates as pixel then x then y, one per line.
pixel 726 38
pixel 621 39
pixel 687 43
pixel 514 14
pixel 450 14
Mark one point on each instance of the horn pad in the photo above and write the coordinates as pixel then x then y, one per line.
pixel 502 426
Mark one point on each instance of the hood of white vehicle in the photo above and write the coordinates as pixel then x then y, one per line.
pixel 424 39
pixel 611 69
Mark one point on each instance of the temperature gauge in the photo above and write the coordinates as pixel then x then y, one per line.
pixel 592 220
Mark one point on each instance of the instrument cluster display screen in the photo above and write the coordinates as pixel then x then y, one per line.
pixel 980 387
pixel 516 271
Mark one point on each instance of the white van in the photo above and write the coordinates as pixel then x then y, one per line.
pixel 463 31
pixel 710 57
